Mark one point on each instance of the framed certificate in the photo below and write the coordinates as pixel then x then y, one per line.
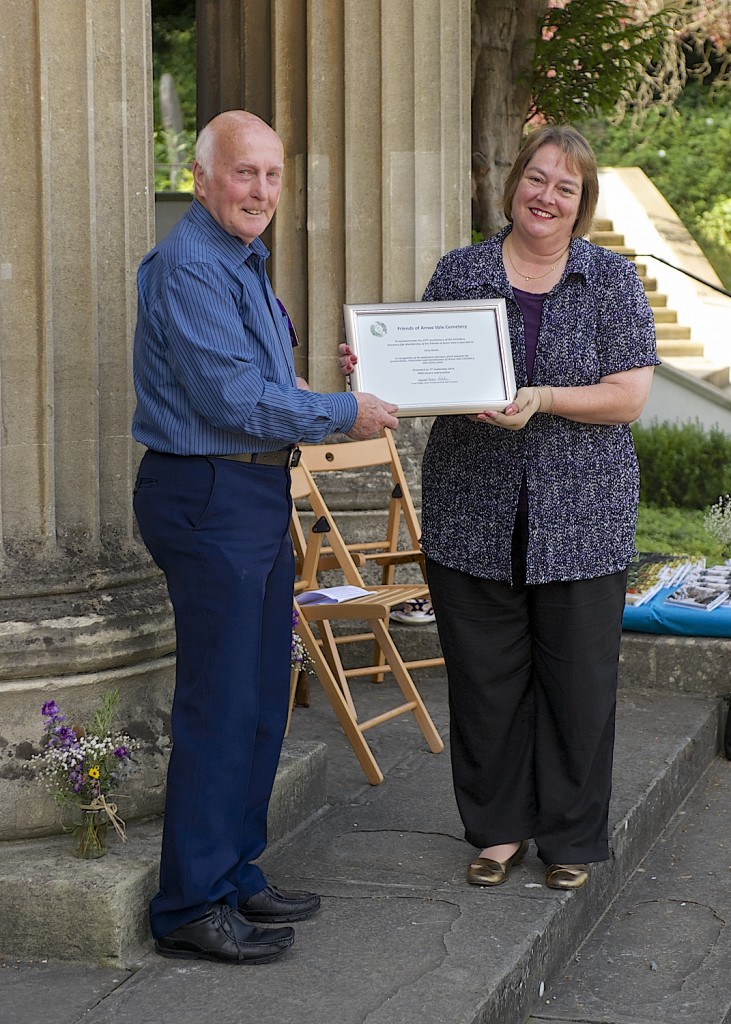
pixel 433 358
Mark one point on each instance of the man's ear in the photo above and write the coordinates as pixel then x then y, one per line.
pixel 199 179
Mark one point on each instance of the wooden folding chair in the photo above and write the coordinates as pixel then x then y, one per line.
pixel 402 525
pixel 351 456
pixel 373 609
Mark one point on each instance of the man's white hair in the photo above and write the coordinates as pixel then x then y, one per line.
pixel 207 141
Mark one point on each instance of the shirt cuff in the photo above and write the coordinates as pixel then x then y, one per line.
pixel 344 411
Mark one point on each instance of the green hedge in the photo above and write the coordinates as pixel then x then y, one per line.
pixel 682 465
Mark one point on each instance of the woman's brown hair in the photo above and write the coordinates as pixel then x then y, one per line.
pixel 578 152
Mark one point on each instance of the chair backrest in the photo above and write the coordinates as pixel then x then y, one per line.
pixel 361 455
pixel 308 549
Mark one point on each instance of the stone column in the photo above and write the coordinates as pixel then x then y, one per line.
pixel 233 57
pixel 372 98
pixel 82 610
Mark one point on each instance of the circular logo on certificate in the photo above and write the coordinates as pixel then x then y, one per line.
pixel 379 329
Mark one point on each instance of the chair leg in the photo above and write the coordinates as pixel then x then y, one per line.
pixel 330 651
pixel 334 694
pixel 294 675
pixel 406 684
pixel 378 660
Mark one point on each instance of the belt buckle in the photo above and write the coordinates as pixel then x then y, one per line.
pixel 294 457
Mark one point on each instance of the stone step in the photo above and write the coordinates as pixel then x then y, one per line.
pixel 55 906
pixel 673 339
pixel 392 873
pixel 389 862
pixel 672 332
pixel 657 953
pixel 608 238
pixel 662 315
pixel 717 374
pixel 398 920
pixel 675 348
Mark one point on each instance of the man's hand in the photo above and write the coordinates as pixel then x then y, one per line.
pixel 373 415
pixel 527 403
pixel 303 385
pixel 347 359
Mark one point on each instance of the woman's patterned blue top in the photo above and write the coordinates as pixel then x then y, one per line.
pixel 582 479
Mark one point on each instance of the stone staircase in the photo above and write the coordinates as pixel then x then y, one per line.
pixel 401 937
pixel 674 341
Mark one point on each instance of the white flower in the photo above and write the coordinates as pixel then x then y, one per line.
pixel 717 520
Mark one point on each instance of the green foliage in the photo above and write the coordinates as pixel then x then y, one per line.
pixel 673 531
pixel 682 465
pixel 590 56
pixel 174 52
pixel 185 147
pixel 716 222
pixel 101 723
pixel 686 152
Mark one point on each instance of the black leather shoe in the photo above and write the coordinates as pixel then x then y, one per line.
pixel 271 906
pixel 223 935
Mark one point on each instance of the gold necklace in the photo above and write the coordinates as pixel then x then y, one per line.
pixel 538 277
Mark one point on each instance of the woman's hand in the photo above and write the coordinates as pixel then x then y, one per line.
pixel 347 359
pixel 527 403
pixel 616 398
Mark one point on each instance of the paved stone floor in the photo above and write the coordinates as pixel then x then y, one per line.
pixel 401 938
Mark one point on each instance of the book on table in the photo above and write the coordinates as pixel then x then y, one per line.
pixel 704 588
pixel 650 573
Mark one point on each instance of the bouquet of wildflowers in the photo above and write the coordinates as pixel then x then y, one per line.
pixel 81 766
pixel 300 659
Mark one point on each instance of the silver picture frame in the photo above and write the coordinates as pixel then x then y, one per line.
pixel 433 358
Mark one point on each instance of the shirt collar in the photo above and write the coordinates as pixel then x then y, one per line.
pixel 234 247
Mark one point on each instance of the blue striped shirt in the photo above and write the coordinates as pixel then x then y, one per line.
pixel 213 366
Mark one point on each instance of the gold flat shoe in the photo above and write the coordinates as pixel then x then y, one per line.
pixel 484 871
pixel 566 876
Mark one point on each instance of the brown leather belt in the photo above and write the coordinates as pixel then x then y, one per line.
pixel 288 457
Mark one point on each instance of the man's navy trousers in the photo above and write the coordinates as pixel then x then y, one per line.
pixel 219 530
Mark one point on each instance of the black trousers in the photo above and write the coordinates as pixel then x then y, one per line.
pixel 532 676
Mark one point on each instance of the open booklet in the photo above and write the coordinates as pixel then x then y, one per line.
pixel 705 589
pixel 331 595
pixel 650 573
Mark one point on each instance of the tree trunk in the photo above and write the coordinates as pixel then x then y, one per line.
pixel 504 34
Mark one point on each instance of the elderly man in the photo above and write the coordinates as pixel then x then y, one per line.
pixel 220 411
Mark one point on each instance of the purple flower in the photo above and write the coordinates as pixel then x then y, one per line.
pixel 295 618
pixel 66 736
pixel 121 752
pixel 50 710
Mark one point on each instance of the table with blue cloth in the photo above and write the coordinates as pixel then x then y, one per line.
pixel 658 615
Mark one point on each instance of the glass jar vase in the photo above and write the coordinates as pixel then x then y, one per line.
pixel 89 834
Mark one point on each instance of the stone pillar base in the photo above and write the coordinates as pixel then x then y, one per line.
pixel 73 648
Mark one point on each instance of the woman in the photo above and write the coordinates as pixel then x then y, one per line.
pixel 528 520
